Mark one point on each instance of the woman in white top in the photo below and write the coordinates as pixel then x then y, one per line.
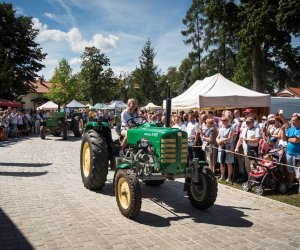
pixel 129 117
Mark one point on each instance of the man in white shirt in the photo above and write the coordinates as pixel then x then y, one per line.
pixel 249 138
pixel 192 130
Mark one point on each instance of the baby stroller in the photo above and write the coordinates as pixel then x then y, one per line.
pixel 268 174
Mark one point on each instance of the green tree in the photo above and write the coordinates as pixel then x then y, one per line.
pixel 220 40
pixel 147 76
pixel 97 82
pixel 64 85
pixel 20 55
pixel 195 23
pixel 266 44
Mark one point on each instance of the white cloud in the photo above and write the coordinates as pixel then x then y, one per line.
pixel 51 16
pixel 75 60
pixel 76 42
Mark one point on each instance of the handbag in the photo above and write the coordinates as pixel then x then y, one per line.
pixel 206 147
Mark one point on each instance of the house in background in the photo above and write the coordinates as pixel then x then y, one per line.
pixel 37 98
pixel 289 92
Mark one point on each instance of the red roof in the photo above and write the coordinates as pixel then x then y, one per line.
pixel 295 90
pixel 41 86
pixel 7 103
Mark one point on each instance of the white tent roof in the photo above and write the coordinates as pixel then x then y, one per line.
pixel 218 92
pixel 151 105
pixel 48 105
pixel 75 104
pixel 118 104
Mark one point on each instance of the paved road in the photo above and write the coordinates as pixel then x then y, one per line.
pixel 43 205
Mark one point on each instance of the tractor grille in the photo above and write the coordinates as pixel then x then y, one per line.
pixel 174 150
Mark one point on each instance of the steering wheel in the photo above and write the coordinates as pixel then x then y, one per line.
pixel 132 123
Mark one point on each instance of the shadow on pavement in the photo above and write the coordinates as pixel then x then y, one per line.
pixel 13 141
pixel 171 197
pixel 23 174
pixel 70 139
pixel 22 164
pixel 10 236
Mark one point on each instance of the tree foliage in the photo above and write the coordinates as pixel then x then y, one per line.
pixel 147 76
pixel 97 83
pixel 248 41
pixel 63 84
pixel 20 55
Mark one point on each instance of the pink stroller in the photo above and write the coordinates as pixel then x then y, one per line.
pixel 268 174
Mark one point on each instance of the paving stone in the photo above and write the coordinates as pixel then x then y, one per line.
pixel 45 206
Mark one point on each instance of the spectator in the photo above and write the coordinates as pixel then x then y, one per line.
pixel 209 137
pixel 249 139
pixel 292 136
pixel 249 113
pixel 192 129
pixel 178 123
pixel 225 142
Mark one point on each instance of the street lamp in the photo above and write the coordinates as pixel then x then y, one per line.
pixel 123 76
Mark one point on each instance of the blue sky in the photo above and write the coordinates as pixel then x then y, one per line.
pixel 120 28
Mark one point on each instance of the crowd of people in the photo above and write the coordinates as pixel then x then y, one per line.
pixel 16 123
pixel 228 138
pixel 222 138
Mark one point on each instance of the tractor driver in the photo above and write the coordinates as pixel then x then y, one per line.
pixel 129 117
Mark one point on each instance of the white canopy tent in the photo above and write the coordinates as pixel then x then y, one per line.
pixel 118 105
pixel 219 93
pixel 75 104
pixel 152 106
pixel 48 105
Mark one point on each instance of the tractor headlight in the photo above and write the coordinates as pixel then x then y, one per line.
pixel 144 143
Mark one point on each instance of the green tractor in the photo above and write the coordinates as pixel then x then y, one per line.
pixel 56 122
pixel 154 154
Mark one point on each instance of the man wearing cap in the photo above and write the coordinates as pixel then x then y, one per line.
pixel 249 113
pixel 249 138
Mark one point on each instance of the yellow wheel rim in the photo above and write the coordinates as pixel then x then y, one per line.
pixel 124 193
pixel 86 159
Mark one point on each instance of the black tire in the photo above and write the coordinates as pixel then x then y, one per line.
pixel 56 133
pixel 43 132
pixel 77 127
pixel 204 193
pixel 246 186
pixel 259 190
pixel 93 164
pixel 127 182
pixel 154 183
pixel 65 131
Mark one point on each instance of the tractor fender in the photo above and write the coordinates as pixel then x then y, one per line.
pixel 121 166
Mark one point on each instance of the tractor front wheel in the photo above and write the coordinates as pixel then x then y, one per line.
pixel 128 193
pixel 93 160
pixel 203 193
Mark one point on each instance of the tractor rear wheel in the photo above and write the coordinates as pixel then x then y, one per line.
pixel 128 193
pixel 65 131
pixel 43 132
pixel 93 160
pixel 154 183
pixel 77 127
pixel 203 194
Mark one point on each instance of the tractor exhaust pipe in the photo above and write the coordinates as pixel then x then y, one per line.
pixel 168 108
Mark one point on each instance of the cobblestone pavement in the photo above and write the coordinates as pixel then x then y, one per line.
pixel 43 205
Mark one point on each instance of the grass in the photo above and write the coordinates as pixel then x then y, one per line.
pixel 291 197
